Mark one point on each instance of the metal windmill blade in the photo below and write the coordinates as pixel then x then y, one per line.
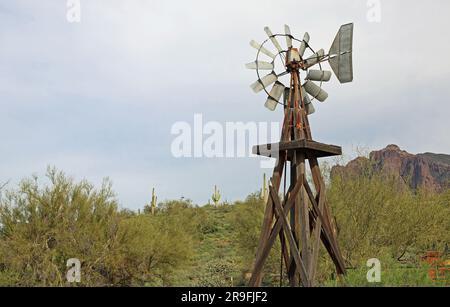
pixel 264 82
pixel 287 31
pixel 315 58
pixel 309 107
pixel 341 53
pixel 315 91
pixel 262 49
pixel 274 96
pixel 319 75
pixel 273 39
pixel 256 65
pixel 304 44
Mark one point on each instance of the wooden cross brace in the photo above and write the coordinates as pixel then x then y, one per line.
pixel 321 228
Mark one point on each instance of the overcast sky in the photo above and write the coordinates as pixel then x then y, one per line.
pixel 98 98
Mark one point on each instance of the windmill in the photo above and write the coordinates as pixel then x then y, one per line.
pixel 303 219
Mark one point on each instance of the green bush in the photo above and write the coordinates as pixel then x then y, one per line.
pixel 42 226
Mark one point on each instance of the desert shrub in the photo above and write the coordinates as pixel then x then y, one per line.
pixel 219 273
pixel 207 225
pixel 155 249
pixel 193 219
pixel 247 218
pixel 377 214
pixel 44 225
pixel 378 217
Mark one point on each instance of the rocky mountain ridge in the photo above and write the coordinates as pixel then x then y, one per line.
pixel 428 170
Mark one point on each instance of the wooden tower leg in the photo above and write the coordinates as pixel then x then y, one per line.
pixel 303 215
pixel 267 225
pixel 256 279
pixel 292 270
pixel 281 224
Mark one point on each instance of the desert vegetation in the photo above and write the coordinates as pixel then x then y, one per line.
pixel 45 221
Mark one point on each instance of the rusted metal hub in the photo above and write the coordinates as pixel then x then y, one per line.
pixel 294 61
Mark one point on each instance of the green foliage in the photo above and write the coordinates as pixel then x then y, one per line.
pixel 247 217
pixel 376 214
pixel 155 248
pixel 378 217
pixel 42 225
pixel 219 273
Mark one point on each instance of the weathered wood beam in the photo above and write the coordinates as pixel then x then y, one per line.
pixel 302 220
pixel 259 262
pixel 316 244
pixel 328 235
pixel 268 219
pixel 318 183
pixel 309 147
pixel 295 253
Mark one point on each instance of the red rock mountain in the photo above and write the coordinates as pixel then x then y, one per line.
pixel 428 170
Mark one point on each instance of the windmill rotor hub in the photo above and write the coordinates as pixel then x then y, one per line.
pixel 293 60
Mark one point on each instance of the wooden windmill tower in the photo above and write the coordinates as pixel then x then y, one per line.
pixel 303 219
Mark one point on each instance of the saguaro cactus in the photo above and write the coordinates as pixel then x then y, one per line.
pixel 216 196
pixel 265 189
pixel 154 200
